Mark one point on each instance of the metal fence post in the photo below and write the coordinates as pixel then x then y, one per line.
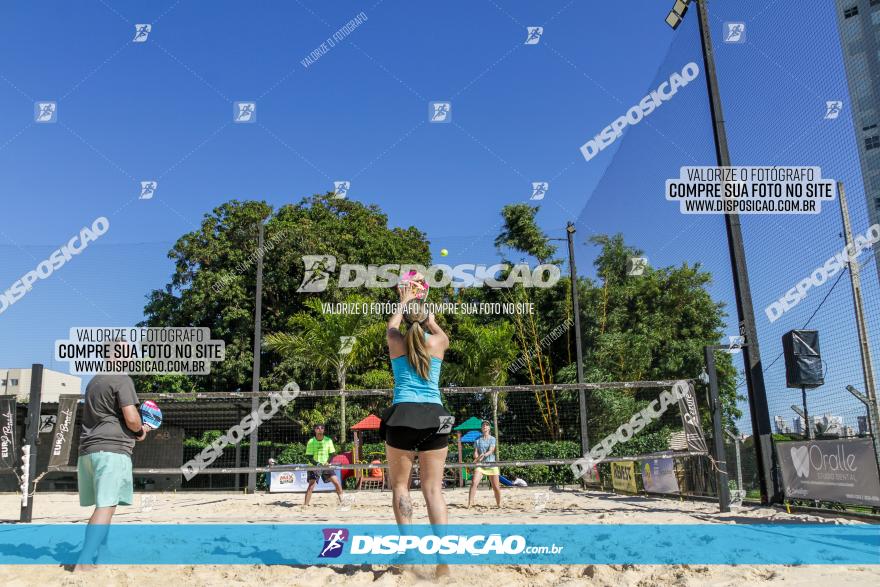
pixel 739 471
pixel 495 423
pixel 258 347
pixel 582 393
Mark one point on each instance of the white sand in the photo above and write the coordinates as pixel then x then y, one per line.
pixel 521 505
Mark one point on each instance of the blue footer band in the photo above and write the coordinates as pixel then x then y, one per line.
pixel 290 544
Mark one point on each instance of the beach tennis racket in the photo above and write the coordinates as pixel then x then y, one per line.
pixel 408 279
pixel 151 415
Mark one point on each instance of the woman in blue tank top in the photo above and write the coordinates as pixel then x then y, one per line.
pixel 416 423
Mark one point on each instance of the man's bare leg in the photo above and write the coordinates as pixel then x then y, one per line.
pixel 96 536
pixel 338 487
pixel 309 492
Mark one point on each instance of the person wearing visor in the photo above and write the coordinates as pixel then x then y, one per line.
pixel 416 425
pixel 318 450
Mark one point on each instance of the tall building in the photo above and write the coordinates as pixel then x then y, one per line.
pixel 17 382
pixel 782 426
pixel 863 425
pixel 799 425
pixel 859 25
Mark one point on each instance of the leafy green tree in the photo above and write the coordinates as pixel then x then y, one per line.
pixel 648 327
pixel 482 353
pixel 168 383
pixel 214 281
pixel 521 233
pixel 332 342
pixel 534 330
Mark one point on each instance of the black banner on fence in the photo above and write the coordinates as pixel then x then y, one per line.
pixel 690 417
pixel 7 433
pixel 63 437
pixel 842 470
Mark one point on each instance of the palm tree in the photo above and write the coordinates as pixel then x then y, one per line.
pixel 330 342
pixel 485 351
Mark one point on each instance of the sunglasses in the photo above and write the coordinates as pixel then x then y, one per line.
pixel 319 427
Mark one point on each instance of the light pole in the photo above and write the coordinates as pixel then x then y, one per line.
pixel 758 407
pixel 255 381
pixel 582 393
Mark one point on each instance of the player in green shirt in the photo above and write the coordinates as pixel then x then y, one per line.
pixel 318 450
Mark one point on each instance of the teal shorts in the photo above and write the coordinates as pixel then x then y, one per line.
pixel 104 479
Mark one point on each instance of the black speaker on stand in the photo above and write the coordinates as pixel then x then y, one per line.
pixel 803 365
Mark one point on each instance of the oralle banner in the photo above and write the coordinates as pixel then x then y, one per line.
pixel 834 470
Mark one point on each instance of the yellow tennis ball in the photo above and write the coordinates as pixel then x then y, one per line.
pixel 443 252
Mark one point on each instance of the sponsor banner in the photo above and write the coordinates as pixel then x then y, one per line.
pixel 7 433
pixel 591 476
pixel 313 544
pixel 297 481
pixel 832 470
pixel 623 476
pixel 658 476
pixel 62 439
pixel 690 419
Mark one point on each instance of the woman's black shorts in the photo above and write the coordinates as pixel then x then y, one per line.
pixel 416 426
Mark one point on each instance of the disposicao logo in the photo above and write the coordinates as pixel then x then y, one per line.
pixel 334 541
pixel 640 111
pixel 319 268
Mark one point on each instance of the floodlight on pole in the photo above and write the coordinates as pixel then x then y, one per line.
pixel 859 395
pixel 798 410
pixel 677 13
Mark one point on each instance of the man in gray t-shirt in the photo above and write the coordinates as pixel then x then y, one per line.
pixel 111 424
pixel 103 422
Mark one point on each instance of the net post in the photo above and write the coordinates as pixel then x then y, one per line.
pixel 717 432
pixel 29 446
pixel 237 452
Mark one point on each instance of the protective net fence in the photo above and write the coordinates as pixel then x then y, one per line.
pixel 789 99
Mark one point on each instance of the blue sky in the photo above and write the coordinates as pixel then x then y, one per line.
pixel 162 110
